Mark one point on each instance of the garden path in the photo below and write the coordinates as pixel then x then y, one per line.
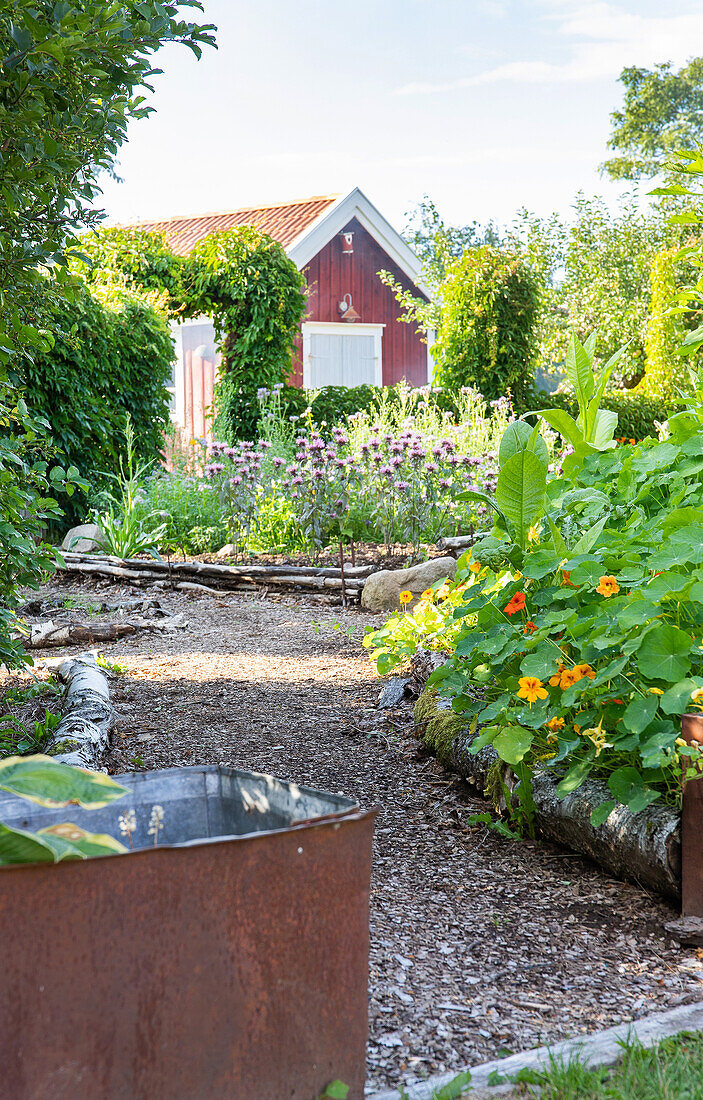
pixel 478 944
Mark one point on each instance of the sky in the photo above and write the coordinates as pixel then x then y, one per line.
pixel 484 105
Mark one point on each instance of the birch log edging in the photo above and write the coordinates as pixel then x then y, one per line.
pixel 88 712
pixel 643 848
pixel 184 574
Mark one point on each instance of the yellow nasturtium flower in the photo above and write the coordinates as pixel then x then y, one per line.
pixel 530 688
pixel 405 597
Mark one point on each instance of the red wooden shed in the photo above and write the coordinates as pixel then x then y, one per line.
pixel 352 333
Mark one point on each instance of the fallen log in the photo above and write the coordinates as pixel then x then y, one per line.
pixel 83 734
pixel 644 848
pixel 56 634
pixel 455 544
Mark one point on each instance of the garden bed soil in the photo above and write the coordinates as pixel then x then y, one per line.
pixel 365 553
pixel 479 945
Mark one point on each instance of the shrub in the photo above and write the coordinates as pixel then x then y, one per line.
pixel 110 360
pixel 489 309
pixel 638 413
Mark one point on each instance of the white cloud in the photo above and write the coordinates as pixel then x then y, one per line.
pixel 604 39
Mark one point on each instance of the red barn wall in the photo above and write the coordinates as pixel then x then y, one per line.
pixel 331 274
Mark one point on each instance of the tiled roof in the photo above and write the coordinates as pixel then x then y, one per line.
pixel 282 221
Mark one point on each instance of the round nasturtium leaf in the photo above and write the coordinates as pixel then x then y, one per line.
pixel 664 653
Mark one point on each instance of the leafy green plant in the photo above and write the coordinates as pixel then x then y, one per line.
pixel 585 639
pixel 110 359
pixel 110 666
pixel 125 530
pixel 18 738
pixel 46 782
pixel 489 309
pixel 594 428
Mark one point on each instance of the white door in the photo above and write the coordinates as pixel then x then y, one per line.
pixel 341 355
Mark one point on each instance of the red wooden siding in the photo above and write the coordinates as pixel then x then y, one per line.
pixel 331 274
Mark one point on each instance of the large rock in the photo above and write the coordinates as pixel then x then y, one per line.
pixel 83 539
pixel 382 590
pixel 229 550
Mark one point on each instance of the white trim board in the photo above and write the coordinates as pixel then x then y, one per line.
pixel 342 328
pixel 355 205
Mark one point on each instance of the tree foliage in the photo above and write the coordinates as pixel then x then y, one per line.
pixel 662 112
pixel 72 74
pixel 490 300
pixel 110 361
pixel 595 272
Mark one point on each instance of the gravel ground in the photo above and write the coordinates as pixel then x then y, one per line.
pixel 479 945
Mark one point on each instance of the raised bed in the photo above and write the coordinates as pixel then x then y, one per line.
pixel 230 960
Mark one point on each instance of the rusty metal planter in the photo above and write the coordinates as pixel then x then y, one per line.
pixel 215 965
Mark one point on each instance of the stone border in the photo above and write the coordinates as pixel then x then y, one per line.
pixel 601 1048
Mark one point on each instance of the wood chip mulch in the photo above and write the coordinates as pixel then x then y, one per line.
pixel 479 945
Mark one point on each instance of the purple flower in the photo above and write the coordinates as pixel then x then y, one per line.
pixel 278 462
pixel 431 467
pixel 317 475
pixel 377 458
pixel 297 481
pixel 445 482
pixel 236 480
pixel 385 470
pixel 396 461
pixel 401 485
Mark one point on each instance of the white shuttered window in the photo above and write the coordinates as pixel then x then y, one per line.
pixel 342 355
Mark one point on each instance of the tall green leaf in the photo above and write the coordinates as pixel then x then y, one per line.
pixel 579 371
pixel 520 491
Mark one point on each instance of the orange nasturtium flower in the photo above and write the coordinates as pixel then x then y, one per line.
pixel 516 604
pixel 428 594
pixel 554 680
pixel 475 567
pixel 585 670
pixel 566 579
pixel 405 596
pixel 530 627
pixel 531 689
pixel 568 677
pixel 555 724
pixel 608 586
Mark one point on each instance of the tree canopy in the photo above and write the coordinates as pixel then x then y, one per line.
pixel 662 112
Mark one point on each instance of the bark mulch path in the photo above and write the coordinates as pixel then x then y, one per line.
pixel 479 945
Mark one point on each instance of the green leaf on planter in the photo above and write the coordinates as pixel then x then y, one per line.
pixel 654 751
pixel 50 783
pixel 664 653
pixel 575 776
pixel 542 662
pixel 486 737
pixel 676 700
pixel 602 813
pixel 640 712
pixel 512 743
pixel 519 436
pixel 541 563
pixel 637 613
pixel 20 846
pixel 628 786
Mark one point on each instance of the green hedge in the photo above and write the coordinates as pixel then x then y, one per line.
pixel 111 358
pixel 637 413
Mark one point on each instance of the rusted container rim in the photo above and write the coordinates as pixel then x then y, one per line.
pixel 335 820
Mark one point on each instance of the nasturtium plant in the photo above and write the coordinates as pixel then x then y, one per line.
pixel 576 646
